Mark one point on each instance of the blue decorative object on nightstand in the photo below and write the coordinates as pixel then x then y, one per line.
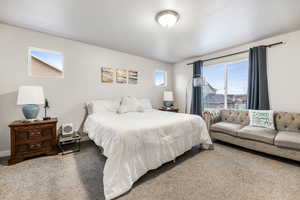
pixel 168 103
pixel 168 99
pixel 30 97
pixel 31 111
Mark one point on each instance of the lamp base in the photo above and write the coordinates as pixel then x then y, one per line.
pixel 168 104
pixel 30 111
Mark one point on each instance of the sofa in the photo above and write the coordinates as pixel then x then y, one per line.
pixel 232 126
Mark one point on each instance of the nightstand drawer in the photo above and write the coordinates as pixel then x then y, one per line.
pixel 33 147
pixel 24 134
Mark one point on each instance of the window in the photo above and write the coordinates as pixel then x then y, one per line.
pixel 160 78
pixel 45 63
pixel 214 87
pixel 225 86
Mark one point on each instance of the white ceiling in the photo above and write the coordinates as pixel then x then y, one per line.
pixel 129 26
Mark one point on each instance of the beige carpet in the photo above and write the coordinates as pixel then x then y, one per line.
pixel 227 173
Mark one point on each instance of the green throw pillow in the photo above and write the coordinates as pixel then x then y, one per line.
pixel 262 118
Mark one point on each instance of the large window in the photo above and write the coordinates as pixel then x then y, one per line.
pixel 225 85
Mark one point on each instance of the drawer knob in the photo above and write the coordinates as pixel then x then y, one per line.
pixel 35 134
pixel 35 146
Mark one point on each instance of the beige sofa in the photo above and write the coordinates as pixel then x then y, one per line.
pixel 232 126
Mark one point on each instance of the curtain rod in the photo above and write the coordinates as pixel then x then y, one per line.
pixel 240 52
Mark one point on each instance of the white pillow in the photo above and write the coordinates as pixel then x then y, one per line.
pixel 130 104
pixel 262 118
pixel 98 106
pixel 146 103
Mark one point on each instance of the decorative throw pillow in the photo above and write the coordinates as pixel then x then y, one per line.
pixel 103 105
pixel 146 103
pixel 262 118
pixel 130 104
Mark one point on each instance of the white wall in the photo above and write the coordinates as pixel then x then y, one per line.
pixel 81 82
pixel 283 71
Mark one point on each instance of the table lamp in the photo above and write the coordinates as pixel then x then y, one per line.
pixel 30 97
pixel 168 99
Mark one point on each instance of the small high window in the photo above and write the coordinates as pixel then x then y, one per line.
pixel 161 78
pixel 45 63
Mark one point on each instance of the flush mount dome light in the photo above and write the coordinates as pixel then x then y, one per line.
pixel 167 18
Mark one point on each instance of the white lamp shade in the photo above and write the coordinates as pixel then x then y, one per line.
pixel 168 96
pixel 30 95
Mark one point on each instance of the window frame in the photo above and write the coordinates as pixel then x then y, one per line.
pixel 48 51
pixel 165 78
pixel 226 72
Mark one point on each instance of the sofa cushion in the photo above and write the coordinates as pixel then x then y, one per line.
pixel 286 121
pixel 226 127
pixel 260 134
pixel 288 139
pixel 235 116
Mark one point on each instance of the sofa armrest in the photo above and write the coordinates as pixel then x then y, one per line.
pixel 211 117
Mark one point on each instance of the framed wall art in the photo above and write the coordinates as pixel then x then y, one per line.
pixel 132 77
pixel 121 76
pixel 107 75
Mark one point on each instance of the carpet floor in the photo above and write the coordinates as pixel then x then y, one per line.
pixel 227 173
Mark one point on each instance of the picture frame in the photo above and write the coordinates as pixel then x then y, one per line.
pixel 121 76
pixel 107 75
pixel 132 77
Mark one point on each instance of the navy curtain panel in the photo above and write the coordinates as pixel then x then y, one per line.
pixel 258 95
pixel 196 106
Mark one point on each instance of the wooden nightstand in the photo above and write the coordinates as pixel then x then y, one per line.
pixel 30 139
pixel 169 109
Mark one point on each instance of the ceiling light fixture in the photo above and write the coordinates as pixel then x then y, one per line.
pixel 167 18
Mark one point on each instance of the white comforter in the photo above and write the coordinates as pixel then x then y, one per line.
pixel 135 143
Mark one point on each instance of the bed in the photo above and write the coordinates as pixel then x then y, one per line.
pixel 136 142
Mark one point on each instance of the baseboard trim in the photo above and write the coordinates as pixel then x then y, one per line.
pixel 4 153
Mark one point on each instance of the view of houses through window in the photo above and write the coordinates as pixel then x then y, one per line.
pixel 225 85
